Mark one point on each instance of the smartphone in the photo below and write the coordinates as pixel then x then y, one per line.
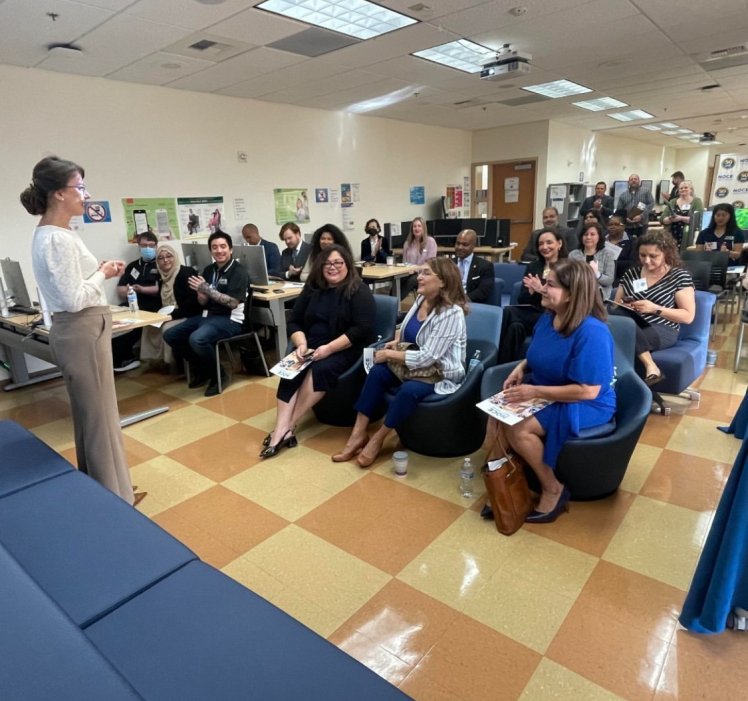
pixel 628 300
pixel 141 221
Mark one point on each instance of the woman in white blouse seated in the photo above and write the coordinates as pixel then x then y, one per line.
pixel 592 249
pixel 436 324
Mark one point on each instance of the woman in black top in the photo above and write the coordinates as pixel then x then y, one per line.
pixel 332 320
pixel 517 322
pixel 374 248
pixel 663 293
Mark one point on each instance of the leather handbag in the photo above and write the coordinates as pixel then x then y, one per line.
pixel 508 492
pixel 431 373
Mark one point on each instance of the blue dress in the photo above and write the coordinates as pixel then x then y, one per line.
pixel 584 357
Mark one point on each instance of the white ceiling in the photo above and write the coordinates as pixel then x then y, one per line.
pixel 648 53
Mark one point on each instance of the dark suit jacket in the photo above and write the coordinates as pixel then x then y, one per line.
pixel 606 209
pixel 301 258
pixel 272 258
pixel 382 253
pixel 480 279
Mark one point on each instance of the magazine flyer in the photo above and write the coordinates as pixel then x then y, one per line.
pixel 290 366
pixel 511 412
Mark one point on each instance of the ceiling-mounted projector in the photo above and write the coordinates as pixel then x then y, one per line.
pixel 707 137
pixel 506 65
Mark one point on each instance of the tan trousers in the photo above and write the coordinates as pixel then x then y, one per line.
pixel 82 346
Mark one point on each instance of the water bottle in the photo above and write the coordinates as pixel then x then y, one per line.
pixel 474 361
pixel 132 299
pixel 467 479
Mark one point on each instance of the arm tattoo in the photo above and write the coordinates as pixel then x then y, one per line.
pixel 218 297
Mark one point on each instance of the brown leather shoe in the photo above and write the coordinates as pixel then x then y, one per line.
pixel 349 454
pixel 138 497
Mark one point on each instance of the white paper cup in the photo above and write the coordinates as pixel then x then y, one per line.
pixel 400 461
pixel 390 260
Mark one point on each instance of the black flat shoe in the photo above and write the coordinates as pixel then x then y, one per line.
pixel 652 379
pixel 487 512
pixel 288 441
pixel 550 516
pixel 197 381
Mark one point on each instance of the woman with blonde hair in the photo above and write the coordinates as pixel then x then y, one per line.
pixel 436 325
pixel 418 248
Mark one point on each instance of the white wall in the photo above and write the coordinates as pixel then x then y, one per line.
pixel 144 141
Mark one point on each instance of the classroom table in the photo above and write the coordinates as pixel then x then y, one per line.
pixel 274 298
pixel 382 273
pixel 490 252
pixel 18 337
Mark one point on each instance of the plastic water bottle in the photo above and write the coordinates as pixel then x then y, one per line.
pixel 132 299
pixel 467 479
pixel 474 361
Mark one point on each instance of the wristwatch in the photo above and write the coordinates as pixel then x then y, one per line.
pixel 658 311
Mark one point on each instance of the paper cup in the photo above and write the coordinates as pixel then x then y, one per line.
pixel 400 461
pixel 390 260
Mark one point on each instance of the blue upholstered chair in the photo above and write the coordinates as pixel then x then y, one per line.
pixel 510 273
pixel 684 362
pixel 336 407
pixel 451 425
pixel 496 293
pixel 593 465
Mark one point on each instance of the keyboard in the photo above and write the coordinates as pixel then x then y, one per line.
pixel 20 309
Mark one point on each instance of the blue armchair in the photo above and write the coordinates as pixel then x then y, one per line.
pixel 451 425
pixel 510 273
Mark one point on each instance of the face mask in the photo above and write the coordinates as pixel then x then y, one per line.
pixel 372 231
pixel 148 254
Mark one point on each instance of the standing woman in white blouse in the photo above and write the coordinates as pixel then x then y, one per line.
pixel 71 280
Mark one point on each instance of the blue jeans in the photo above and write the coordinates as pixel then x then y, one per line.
pixel 408 394
pixel 196 337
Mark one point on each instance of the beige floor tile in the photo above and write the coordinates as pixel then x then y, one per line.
pixel 298 602
pixel 725 380
pixel 700 437
pixel 532 614
pixel 658 429
pixel 640 465
pixel 58 435
pixel 254 578
pixel 552 682
pixel 333 579
pixel 659 540
pixel 147 399
pixel 174 429
pixel 375 657
pixel 717 406
pixel 35 413
pixel 167 482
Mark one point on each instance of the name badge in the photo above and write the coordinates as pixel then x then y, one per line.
pixel 640 285
pixel 205 313
pixel 223 281
pixel 711 246
pixel 641 206
pixel 134 274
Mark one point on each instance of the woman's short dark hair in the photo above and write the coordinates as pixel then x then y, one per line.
pixel 50 175
pixel 289 225
pixel 665 242
pixel 218 234
pixel 316 279
pixel 376 221
pixel 562 252
pixel 600 236
pixel 337 235
pixel 577 278
pixel 452 292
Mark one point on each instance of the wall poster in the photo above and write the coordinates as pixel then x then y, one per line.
pixel 291 204
pixel 199 216
pixel 155 214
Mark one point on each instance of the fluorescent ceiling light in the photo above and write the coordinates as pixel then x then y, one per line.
pixel 600 103
pixel 463 55
pixel 670 132
pixel 652 127
pixel 686 138
pixel 356 18
pixel 668 125
pixel 631 115
pixel 558 88
pixel 685 131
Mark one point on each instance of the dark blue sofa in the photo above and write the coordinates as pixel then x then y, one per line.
pixel 98 602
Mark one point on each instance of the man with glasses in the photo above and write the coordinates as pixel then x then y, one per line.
pixel 221 291
pixel 142 275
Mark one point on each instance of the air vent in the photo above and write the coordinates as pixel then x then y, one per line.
pixel 524 100
pixel 731 51
pixel 208 47
pixel 719 59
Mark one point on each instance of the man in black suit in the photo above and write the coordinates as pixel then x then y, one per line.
pixel 476 273
pixel 295 255
pixel 251 235
pixel 599 202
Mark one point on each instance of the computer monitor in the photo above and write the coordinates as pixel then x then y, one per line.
pixel 477 225
pixel 446 230
pixel 15 286
pixel 706 219
pixel 663 191
pixel 253 259
pixel 197 255
pixel 619 187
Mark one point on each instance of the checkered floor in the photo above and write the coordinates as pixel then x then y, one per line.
pixel 405 576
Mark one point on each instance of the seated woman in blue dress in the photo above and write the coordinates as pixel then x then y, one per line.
pixel 436 324
pixel 570 362
pixel 333 319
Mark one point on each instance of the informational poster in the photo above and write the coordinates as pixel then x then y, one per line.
pixel 511 196
pixel 356 192
pixel 466 194
pixel 155 214
pixel 454 197
pixel 345 195
pixel 97 212
pixel 418 194
pixel 240 209
pixel 731 180
pixel 291 204
pixel 334 195
pixel 321 195
pixel 199 217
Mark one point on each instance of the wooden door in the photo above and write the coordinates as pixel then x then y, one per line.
pixel 520 212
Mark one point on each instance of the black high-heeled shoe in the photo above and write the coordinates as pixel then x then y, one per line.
pixel 292 440
pixel 550 516
pixel 288 441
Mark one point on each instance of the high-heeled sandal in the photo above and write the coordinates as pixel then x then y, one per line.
pixel 349 454
pixel 288 441
pixel 292 441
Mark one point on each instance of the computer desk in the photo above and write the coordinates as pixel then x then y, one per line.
pixel 19 338
pixel 274 297
pixel 380 273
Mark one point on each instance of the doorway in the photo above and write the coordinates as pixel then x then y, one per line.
pixel 513 197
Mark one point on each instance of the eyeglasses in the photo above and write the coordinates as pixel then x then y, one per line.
pixel 80 188
pixel 334 264
pixel 166 257
pixel 425 272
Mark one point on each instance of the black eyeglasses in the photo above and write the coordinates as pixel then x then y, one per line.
pixel 334 264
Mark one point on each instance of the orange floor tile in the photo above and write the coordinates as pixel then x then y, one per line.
pixel 405 576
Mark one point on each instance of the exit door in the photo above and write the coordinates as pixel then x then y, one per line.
pixel 513 198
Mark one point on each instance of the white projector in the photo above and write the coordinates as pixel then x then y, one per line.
pixel 507 65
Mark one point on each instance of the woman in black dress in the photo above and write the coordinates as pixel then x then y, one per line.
pixel 332 320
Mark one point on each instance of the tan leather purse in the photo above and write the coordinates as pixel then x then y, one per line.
pixel 432 373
